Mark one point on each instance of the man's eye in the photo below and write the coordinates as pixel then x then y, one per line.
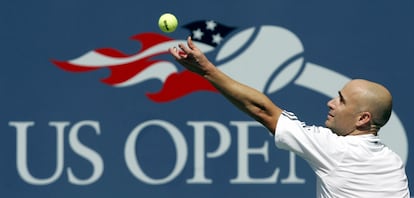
pixel 341 98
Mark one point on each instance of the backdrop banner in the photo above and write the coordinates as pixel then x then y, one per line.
pixel 93 105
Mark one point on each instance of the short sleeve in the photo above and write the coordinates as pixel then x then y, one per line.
pixel 321 148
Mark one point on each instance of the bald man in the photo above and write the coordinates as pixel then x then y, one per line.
pixel 362 107
pixel 347 156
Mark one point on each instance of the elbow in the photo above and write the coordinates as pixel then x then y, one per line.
pixel 268 119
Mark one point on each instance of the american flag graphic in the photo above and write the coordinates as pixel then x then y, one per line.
pixel 128 70
pixel 209 32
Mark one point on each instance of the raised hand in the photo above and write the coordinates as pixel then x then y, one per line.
pixel 191 57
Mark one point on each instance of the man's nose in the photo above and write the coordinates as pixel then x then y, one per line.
pixel 330 103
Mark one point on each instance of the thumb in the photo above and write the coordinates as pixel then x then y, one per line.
pixel 190 43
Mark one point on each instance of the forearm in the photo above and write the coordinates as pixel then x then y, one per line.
pixel 249 100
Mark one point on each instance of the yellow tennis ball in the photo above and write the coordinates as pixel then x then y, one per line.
pixel 168 23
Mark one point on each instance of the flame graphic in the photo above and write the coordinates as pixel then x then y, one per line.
pixel 127 70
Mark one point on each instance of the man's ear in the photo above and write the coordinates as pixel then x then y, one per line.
pixel 364 119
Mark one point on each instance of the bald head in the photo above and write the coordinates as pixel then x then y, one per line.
pixel 373 98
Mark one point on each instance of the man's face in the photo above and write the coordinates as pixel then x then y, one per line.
pixel 343 112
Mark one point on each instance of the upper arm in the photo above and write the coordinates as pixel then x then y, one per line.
pixel 268 114
pixel 262 109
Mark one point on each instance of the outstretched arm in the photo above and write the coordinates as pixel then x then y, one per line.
pixel 254 103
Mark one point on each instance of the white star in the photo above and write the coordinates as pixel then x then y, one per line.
pixel 211 25
pixel 197 34
pixel 217 38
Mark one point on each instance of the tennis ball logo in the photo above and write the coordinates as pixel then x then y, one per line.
pixel 167 23
pixel 277 57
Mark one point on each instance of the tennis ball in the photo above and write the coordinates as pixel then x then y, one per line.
pixel 168 23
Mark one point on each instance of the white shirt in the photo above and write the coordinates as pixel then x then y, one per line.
pixel 345 166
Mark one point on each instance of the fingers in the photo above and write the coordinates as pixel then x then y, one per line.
pixel 174 52
pixel 177 54
pixel 190 46
pixel 184 50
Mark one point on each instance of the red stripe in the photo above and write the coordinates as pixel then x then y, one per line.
pixel 180 84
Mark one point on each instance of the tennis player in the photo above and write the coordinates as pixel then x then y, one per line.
pixel 346 155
